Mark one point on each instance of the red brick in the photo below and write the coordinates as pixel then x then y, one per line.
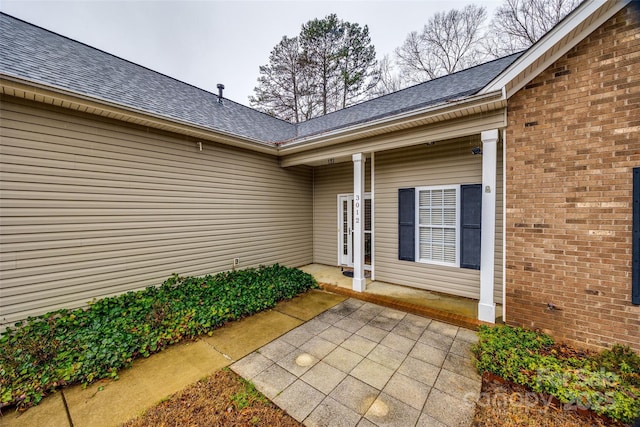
pixel 569 186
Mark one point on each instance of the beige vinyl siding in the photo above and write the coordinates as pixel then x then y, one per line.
pixel 328 182
pixel 445 163
pixel 92 207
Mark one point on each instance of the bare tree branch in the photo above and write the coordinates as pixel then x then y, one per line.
pixel 449 42
pixel 517 24
pixel 389 80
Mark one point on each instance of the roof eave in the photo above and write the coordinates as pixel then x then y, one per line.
pixel 26 89
pixel 553 45
pixel 469 105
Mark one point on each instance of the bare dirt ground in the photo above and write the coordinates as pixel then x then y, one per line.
pixel 223 399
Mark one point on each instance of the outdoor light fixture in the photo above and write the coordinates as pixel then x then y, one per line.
pixel 476 150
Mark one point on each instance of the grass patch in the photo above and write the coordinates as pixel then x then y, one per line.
pixel 606 383
pixel 84 345
pixel 248 396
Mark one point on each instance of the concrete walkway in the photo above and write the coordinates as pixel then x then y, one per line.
pixel 361 364
pixel 334 349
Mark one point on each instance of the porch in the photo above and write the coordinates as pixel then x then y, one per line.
pixel 452 309
pixel 425 215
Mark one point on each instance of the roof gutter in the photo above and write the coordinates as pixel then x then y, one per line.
pixel 21 88
pixel 463 107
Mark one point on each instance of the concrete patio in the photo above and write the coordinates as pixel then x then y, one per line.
pixel 361 364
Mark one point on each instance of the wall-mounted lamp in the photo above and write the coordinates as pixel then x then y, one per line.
pixel 199 144
pixel 476 151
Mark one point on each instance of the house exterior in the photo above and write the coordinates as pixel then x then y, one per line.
pixel 114 177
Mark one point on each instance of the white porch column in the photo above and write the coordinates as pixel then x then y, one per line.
pixel 486 306
pixel 359 282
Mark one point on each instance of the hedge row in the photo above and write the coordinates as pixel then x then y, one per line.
pixel 83 345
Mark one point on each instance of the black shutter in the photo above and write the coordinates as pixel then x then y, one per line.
pixel 635 240
pixel 470 221
pixel 406 224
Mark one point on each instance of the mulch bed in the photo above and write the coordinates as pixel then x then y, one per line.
pixel 209 402
pixel 506 404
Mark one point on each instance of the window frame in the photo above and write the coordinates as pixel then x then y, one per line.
pixel 418 225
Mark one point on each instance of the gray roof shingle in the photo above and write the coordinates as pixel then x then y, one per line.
pixel 31 53
pixel 433 92
pixel 41 56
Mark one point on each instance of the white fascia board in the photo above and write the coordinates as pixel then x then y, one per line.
pixel 552 38
pixel 149 119
pixel 353 132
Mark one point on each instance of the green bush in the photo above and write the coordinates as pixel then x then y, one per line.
pixel 84 345
pixel 606 384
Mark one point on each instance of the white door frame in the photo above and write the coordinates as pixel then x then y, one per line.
pixel 346 259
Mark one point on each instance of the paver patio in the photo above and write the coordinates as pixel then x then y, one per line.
pixel 361 364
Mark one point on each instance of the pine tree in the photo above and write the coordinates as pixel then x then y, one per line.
pixel 329 66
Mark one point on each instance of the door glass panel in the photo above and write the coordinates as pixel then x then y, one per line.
pixel 345 228
pixel 367 214
pixel 352 230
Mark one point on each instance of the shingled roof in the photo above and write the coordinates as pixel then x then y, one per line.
pixel 31 53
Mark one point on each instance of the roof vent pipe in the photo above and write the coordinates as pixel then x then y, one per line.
pixel 220 89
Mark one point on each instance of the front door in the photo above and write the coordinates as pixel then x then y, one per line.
pixel 345 232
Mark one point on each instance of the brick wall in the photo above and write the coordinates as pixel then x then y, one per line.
pixel 573 137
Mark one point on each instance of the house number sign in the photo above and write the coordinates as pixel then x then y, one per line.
pixel 356 203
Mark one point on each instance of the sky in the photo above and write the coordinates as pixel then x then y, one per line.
pixel 207 42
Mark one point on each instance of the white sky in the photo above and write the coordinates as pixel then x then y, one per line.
pixel 208 42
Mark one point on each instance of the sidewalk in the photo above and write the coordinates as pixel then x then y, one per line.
pixel 306 355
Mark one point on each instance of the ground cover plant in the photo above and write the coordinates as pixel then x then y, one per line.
pixel 607 383
pixel 83 345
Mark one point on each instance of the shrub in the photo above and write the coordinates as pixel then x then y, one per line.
pixel 605 384
pixel 80 346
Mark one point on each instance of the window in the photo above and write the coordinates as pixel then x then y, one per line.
pixel 440 225
pixel 437 225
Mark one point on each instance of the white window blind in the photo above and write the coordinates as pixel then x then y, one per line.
pixel 437 218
